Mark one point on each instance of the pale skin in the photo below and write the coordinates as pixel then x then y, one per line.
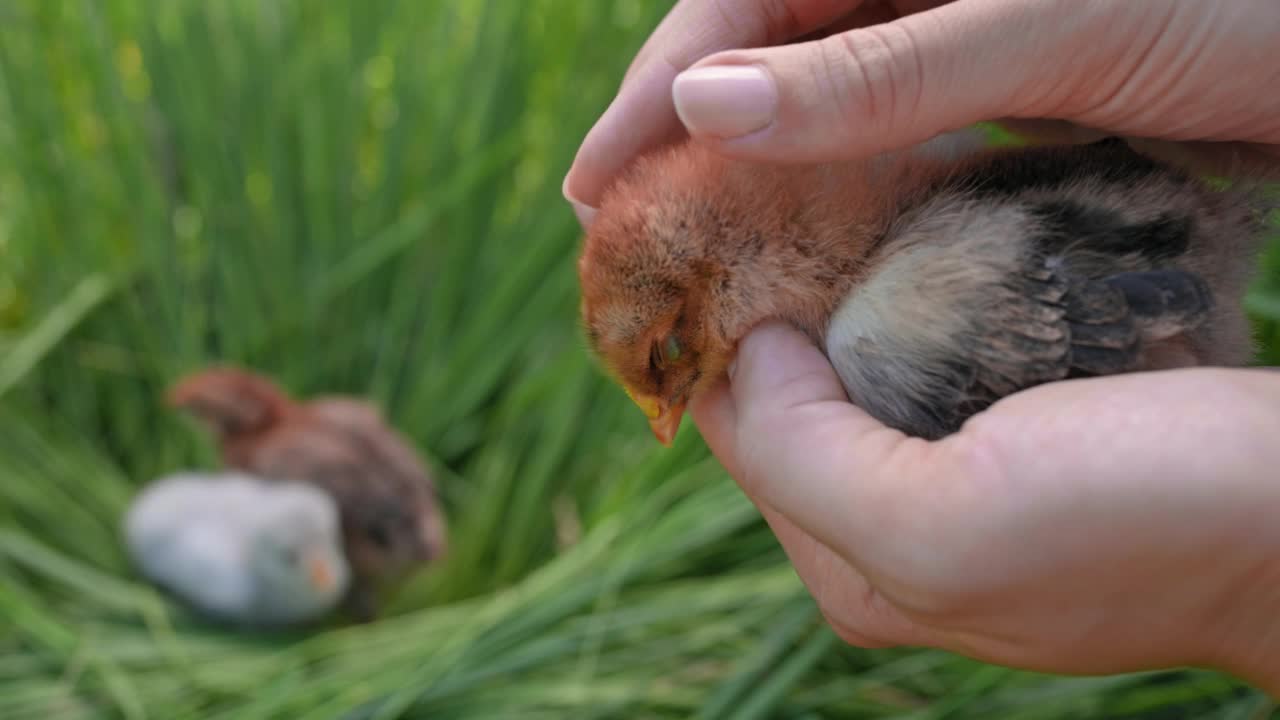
pixel 1089 526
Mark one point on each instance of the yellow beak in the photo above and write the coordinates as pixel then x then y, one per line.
pixel 664 418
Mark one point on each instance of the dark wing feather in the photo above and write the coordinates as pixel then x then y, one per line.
pixel 1051 329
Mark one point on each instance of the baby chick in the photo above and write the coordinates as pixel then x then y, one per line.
pixel 935 282
pixel 240 549
pixel 391 520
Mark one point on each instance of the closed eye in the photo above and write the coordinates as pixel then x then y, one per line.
pixel 661 353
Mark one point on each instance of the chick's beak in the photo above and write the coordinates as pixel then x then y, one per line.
pixel 667 423
pixel 320 574
pixel 664 417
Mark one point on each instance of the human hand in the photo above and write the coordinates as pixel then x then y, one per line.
pixel 1087 526
pixel 1163 70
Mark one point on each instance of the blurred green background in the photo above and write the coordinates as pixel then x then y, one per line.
pixel 365 197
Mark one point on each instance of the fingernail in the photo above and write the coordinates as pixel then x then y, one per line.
pixel 727 101
pixel 584 212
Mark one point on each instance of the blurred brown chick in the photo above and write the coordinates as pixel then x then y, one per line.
pixel 935 281
pixel 391 519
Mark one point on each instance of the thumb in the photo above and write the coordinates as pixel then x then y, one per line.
pixel 883 87
pixel 804 450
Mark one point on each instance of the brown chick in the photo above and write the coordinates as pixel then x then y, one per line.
pixel 391 519
pixel 935 282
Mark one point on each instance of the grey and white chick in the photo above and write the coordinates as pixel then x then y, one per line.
pixel 238 548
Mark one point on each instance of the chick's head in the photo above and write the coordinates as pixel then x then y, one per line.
pixel 689 251
pixel 296 560
pixel 654 271
pixel 229 401
pixel 389 536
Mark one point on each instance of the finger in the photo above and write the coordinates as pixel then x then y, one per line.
pixel 642 116
pixel 639 119
pixel 887 86
pixel 717 420
pixel 802 448
pixel 858 614
pixel 838 477
pixel 696 28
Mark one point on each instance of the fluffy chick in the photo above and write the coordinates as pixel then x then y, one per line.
pixel 935 281
pixel 391 520
pixel 238 548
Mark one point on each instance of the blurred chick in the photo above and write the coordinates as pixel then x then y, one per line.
pixel 936 281
pixel 240 549
pixel 391 520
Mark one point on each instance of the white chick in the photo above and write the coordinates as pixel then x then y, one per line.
pixel 240 549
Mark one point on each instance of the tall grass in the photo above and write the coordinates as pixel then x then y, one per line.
pixel 364 197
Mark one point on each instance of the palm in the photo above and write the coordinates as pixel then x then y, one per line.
pixel 1033 537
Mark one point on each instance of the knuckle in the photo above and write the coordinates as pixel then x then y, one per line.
pixel 781 21
pixel 840 78
pixel 873 74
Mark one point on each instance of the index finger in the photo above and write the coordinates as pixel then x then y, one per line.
pixel 642 117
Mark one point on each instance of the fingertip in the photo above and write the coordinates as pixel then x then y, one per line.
pixel 713 407
pixel 640 119
pixel 579 185
pixel 585 213
pixel 716 417
pixel 769 332
pixel 566 185
pixel 804 449
pixel 778 364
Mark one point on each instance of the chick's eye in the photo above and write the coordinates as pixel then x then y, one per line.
pixel 668 351
pixel 672 350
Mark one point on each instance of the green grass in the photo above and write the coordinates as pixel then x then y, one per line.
pixel 365 197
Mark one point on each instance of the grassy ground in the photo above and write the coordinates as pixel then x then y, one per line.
pixel 364 197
